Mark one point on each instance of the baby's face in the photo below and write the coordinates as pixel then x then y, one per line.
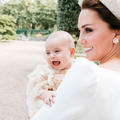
pixel 58 54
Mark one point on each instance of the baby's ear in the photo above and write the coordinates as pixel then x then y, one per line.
pixel 72 52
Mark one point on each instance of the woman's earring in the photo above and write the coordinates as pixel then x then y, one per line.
pixel 115 40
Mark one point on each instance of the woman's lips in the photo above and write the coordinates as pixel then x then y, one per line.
pixel 88 49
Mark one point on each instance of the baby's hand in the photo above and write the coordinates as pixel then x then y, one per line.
pixel 48 97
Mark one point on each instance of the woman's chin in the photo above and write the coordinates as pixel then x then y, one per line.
pixel 90 58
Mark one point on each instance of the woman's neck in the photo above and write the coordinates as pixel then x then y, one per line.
pixel 114 53
pixel 112 64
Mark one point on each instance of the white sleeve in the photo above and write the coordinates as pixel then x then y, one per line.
pixel 37 84
pixel 75 95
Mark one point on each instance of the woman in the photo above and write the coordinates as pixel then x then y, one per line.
pixel 100 32
pixel 91 92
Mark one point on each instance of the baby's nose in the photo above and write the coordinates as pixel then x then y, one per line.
pixel 52 55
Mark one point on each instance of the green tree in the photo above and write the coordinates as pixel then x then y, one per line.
pixel 28 14
pixel 7 27
pixel 46 13
pixel 68 12
pixel 67 19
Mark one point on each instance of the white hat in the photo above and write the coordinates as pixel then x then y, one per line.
pixel 112 5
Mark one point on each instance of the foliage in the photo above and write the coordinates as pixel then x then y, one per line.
pixel 47 12
pixel 7 27
pixel 67 19
pixel 37 14
pixel 68 12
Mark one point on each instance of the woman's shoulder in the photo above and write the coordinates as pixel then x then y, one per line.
pixel 88 71
pixel 83 65
pixel 109 77
pixel 84 62
pixel 90 84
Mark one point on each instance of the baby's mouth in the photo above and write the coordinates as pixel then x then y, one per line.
pixel 55 63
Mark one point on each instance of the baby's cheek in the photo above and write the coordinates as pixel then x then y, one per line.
pixel 59 55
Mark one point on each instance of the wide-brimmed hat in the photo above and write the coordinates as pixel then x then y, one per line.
pixel 112 5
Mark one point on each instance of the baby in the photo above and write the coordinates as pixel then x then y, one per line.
pixel 45 79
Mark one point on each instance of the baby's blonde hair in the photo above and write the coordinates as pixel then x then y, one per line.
pixel 63 35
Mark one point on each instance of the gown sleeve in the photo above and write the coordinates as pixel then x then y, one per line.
pixel 75 95
pixel 37 84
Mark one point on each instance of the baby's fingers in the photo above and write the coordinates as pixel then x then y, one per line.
pixel 48 101
pixel 52 100
pixel 53 95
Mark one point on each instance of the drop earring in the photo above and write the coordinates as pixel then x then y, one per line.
pixel 115 40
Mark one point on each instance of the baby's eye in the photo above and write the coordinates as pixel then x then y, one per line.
pixel 57 51
pixel 48 53
pixel 88 30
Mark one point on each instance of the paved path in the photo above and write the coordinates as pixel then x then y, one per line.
pixel 17 60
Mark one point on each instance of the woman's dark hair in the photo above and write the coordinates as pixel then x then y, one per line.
pixel 103 12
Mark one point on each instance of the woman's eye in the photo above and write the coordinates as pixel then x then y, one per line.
pixel 88 30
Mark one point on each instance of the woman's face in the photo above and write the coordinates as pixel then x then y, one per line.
pixel 95 35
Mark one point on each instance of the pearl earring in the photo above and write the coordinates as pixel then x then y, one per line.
pixel 115 40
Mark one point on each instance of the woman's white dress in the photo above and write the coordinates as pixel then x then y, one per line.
pixel 87 92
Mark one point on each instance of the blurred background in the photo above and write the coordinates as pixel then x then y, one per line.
pixel 36 19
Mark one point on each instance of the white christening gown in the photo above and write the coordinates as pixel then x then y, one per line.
pixel 87 92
